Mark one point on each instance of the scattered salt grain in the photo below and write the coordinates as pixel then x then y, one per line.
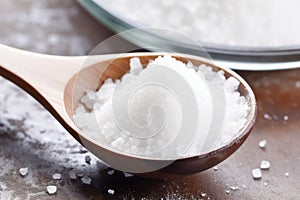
pixel 267 116
pixel 51 189
pixel 23 171
pixel 56 176
pixel 285 117
pixel 215 168
pixel 227 191
pixel 203 194
pixel 297 84
pixel 111 172
pixel 262 144
pixel 256 173
pixel 88 159
pixel 244 186
pixel 110 191
pixel 287 174
pixel 86 180
pixel 127 174
pixel 233 188
pixel 265 164
pixel 265 183
pixel 72 175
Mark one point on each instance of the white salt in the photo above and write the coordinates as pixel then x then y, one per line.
pixel 227 191
pixel 234 188
pixel 111 172
pixel 265 164
pixel 285 117
pixel 110 191
pixel 23 171
pixel 143 112
pixel 262 144
pixel 267 116
pixel 226 22
pixel 256 173
pixel 86 180
pixel 203 194
pixel 297 84
pixel 72 175
pixel 287 174
pixel 56 176
pixel 215 168
pixel 127 174
pixel 265 183
pixel 51 189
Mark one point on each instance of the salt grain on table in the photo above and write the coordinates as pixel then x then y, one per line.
pixel 262 144
pixel 23 171
pixel 110 191
pixel 72 175
pixel 265 164
pixel 51 189
pixel 56 176
pixel 256 173
pixel 233 188
pixel 215 168
pixel 285 117
pixel 227 191
pixel 267 116
pixel 86 180
pixel 265 184
pixel 297 84
pixel 286 174
pixel 127 174
pixel 203 194
pixel 111 172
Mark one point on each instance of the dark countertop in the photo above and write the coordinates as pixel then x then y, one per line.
pixel 30 137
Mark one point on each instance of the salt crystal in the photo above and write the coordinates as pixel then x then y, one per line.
pixel 203 194
pixel 265 184
pixel 56 176
pixel 215 168
pixel 227 191
pixel 110 191
pixel 51 189
pixel 285 117
pixel 102 118
pixel 88 159
pixel 127 174
pixel 267 116
pixel 265 164
pixel 111 172
pixel 233 188
pixel 262 144
pixel 256 173
pixel 72 175
pixel 286 174
pixel 244 186
pixel 23 171
pixel 297 84
pixel 86 180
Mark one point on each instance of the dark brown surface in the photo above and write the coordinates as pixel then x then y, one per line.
pixel 276 93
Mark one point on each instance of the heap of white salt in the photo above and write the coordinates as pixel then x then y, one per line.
pixel 144 112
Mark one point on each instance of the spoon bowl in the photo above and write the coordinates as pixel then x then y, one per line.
pixel 58 83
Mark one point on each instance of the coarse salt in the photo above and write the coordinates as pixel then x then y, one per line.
pixel 23 171
pixel 96 114
pixel 86 180
pixel 256 173
pixel 267 116
pixel 110 191
pixel 265 164
pixel 262 144
pixel 51 189
pixel 72 175
pixel 110 172
pixel 56 176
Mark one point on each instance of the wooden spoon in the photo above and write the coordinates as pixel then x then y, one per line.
pixel 59 82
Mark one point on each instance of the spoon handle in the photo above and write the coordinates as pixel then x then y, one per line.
pixel 43 76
